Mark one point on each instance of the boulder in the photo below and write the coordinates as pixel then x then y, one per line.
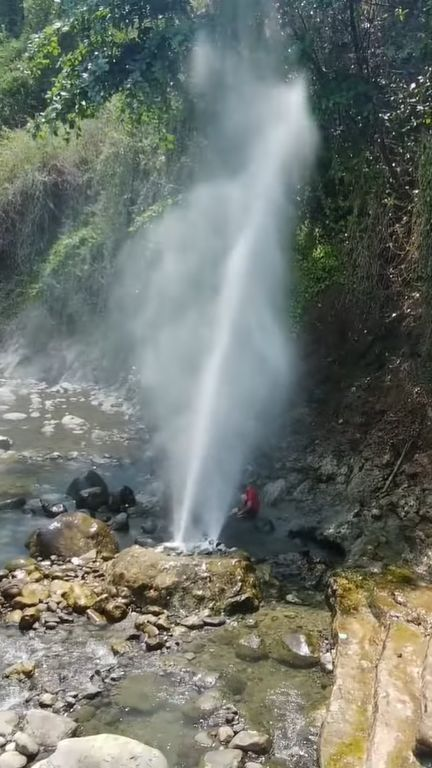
pixel 5 443
pixel 47 729
pixel 120 522
pixel 185 582
pixel 25 745
pixel 102 751
pixel 72 535
pixel 124 498
pixel 79 597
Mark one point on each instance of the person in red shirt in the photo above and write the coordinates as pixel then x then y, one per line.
pixel 250 504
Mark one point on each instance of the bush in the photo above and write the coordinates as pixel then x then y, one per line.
pixel 318 266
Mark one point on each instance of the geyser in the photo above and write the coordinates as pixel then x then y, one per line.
pixel 210 281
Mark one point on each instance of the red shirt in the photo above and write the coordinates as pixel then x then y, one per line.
pixel 252 500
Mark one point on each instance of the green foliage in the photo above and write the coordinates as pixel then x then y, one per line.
pixel 319 266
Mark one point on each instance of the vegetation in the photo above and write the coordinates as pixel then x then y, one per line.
pixel 97 133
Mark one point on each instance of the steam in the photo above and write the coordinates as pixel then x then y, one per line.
pixel 209 282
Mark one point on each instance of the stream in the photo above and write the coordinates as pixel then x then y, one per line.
pixel 56 434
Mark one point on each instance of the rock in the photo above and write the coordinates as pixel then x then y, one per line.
pixel 251 648
pixel 225 734
pixel 21 671
pixel 294 650
pixel 46 728
pixel 214 621
pixel 8 722
pixel 115 611
pixel 14 617
pixel 326 662
pixel 21 564
pixel 29 617
pixel 102 751
pixel 79 597
pixel 274 492
pixel 54 510
pixel 90 692
pixel 5 443
pixel 245 602
pixel 145 542
pixel 25 745
pixel 222 758
pixel 73 535
pixel 95 618
pixel 163 624
pixel 31 594
pixel 120 522
pixel 155 643
pixel 252 765
pixel 46 700
pixel 90 480
pixel 149 526
pixel 124 498
pixel 192 622
pixel 12 760
pixel 16 502
pixel 203 739
pixel 183 581
pixel 92 499
pixel 251 741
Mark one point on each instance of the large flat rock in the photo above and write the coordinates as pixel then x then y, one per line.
pixel 380 711
pixel 106 750
pixel 221 583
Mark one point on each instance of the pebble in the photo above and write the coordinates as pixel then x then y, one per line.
pixel 214 621
pixel 25 745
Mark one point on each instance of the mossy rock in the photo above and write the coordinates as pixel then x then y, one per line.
pixel 72 535
pixel 183 582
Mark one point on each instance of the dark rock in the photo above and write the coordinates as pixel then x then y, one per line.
pixel 91 498
pixel 214 621
pixel 120 522
pixel 5 443
pixel 115 611
pixel 16 502
pixel 88 481
pixel 154 643
pixel 149 526
pixel 54 510
pixel 122 499
pixel 245 602
pixel 144 541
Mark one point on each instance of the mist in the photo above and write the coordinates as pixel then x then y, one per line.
pixel 203 292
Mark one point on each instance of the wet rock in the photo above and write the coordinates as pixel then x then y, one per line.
pixel 12 760
pixel 25 745
pixel 192 622
pixel 9 720
pixel 120 522
pixel 251 647
pixel 73 535
pixel 21 564
pixel 31 594
pixel 222 758
pixel 225 734
pixel 295 650
pixel 22 670
pixel 54 510
pixel 46 728
pixel 115 611
pixel 91 499
pixel 185 582
pixel 251 741
pixel 274 492
pixel 5 443
pixel 103 750
pixel 145 542
pixel 79 597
